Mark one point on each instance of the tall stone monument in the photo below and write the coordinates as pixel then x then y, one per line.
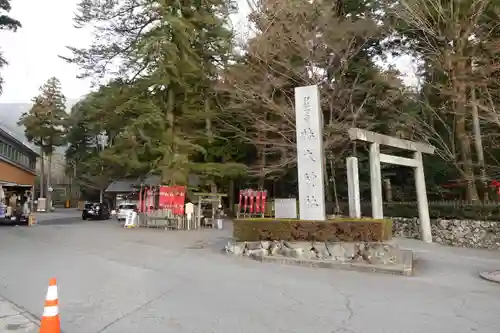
pixel 310 154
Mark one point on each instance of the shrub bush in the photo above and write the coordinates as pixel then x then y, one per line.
pixel 345 230
pixel 445 211
pixel 437 210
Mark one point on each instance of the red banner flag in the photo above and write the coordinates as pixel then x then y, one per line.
pixel 245 204
pixel 251 193
pixel 149 200
pixel 163 197
pixel 264 196
pixel 181 199
pixel 240 201
pixel 257 201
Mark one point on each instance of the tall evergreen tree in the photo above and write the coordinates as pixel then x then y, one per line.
pixel 168 53
pixel 45 125
pixel 6 23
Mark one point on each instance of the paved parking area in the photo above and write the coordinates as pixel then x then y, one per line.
pixel 117 280
pixel 14 319
pixel 60 216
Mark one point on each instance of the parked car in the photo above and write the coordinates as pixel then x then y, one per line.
pixel 96 211
pixel 17 218
pixel 124 209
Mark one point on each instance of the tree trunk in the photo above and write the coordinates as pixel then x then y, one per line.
pixel 75 189
pixel 334 187
pixel 208 122
pixel 169 155
pixel 466 160
pixel 461 134
pixel 231 196
pixel 479 145
pixel 262 164
pixel 329 184
pixel 42 174
pixel 262 157
pixel 388 189
pixel 49 185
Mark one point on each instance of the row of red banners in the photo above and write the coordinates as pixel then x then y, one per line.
pixel 169 197
pixel 252 201
pixel 172 198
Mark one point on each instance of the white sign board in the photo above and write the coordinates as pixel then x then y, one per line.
pixel 130 220
pixel 285 208
pixel 41 205
pixel 310 154
pixel 189 208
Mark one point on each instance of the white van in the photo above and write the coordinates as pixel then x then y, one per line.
pixel 124 209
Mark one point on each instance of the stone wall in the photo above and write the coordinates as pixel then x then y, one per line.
pixel 463 233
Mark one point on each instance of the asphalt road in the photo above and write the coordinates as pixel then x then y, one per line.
pixel 117 280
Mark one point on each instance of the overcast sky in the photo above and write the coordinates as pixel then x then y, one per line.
pixel 32 52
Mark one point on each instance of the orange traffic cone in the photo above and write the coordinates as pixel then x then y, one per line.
pixel 50 319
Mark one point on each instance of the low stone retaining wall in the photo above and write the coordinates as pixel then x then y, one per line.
pixel 463 233
pixel 374 257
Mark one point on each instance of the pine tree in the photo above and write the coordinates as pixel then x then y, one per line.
pixel 170 54
pixel 6 23
pixel 45 125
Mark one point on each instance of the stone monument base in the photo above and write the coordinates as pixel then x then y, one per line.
pixel 372 257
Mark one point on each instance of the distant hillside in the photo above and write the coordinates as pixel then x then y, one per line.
pixel 10 114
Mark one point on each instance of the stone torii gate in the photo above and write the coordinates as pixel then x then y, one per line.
pixel 375 140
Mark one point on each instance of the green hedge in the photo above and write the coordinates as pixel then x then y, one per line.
pixel 441 211
pixel 345 229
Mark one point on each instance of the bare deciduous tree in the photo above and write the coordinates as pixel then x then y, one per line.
pixel 454 41
pixel 300 44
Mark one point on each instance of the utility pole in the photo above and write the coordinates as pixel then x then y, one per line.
pixel 102 141
pixel 42 174
pixel 49 184
pixel 72 181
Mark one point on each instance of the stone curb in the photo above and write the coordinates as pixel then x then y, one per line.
pixel 60 220
pixel 492 276
pixel 405 268
pixel 13 318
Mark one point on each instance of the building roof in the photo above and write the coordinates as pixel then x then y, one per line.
pixel 11 138
pixel 150 181
pixel 131 185
pixel 121 186
pixel 155 180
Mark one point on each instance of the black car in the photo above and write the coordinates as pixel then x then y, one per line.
pixel 96 211
pixel 17 218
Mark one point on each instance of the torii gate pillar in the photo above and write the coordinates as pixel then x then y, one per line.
pixel 375 140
